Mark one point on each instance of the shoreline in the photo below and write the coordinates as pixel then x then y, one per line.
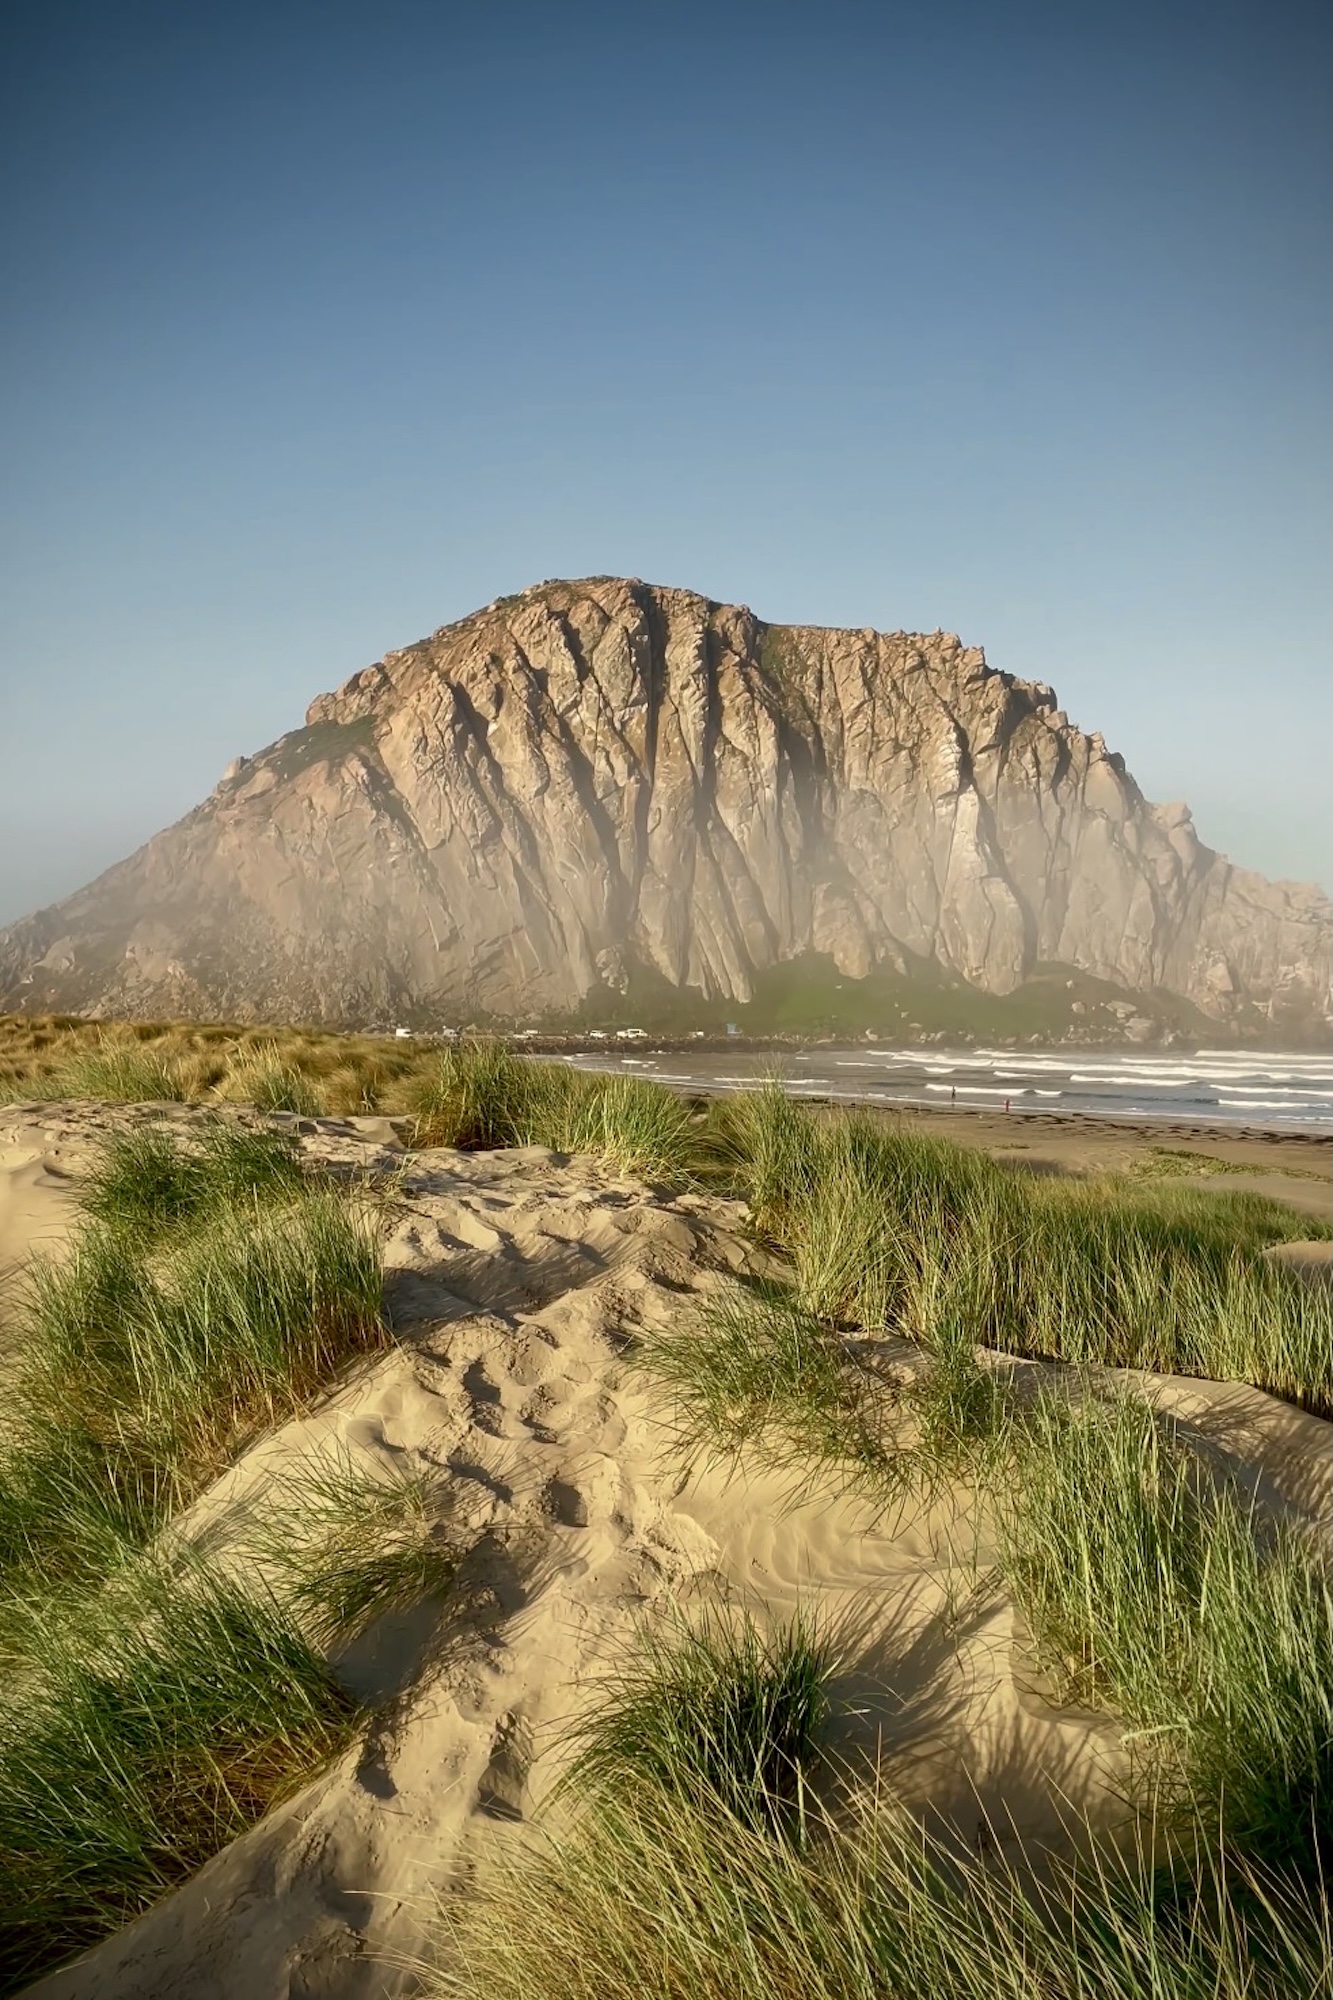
pixel 1092 1124
pixel 541 1042
pixel 1089 1123
pixel 1115 1091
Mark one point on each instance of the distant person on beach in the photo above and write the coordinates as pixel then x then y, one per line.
pixel 1006 1103
pixel 953 1094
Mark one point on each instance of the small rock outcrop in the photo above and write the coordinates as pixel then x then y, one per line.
pixel 597 777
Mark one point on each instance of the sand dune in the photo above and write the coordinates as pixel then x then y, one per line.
pixel 36 1208
pixel 513 1280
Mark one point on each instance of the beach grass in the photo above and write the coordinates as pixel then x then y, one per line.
pixel 1149 1587
pixel 893 1230
pixel 680 1898
pixel 149 1726
pixel 215 1287
pixel 475 1093
pixel 769 1147
pixel 156 1706
pixel 148 1179
pixel 1174 1282
pixel 475 1096
pixel 110 1070
pixel 262 1076
pixel 348 1543
pixel 1154 1589
pixel 161 1342
pixel 154 1718
pixel 633 1127
pixel 310 1071
pixel 753 1367
pixel 713 1708
pixel 962 1409
pixel 1152 1586
pixel 479 1094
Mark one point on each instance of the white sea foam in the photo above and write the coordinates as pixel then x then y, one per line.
pixel 1225 1086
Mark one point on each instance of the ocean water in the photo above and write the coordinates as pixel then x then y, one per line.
pixel 1211 1086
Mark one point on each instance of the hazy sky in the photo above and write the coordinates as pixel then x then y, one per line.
pixel 323 324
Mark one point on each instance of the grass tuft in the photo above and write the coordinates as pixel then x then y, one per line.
pixel 350 1545
pixel 714 1710
pixel 634 1127
pixel 149 1728
pixel 150 1180
pixel 893 1231
pixel 1151 1585
pixel 756 1366
pixel 110 1071
pixel 479 1095
pixel 476 1096
pixel 146 1360
pixel 771 1147
pixel 1155 1590
pixel 261 1076
pixel 963 1409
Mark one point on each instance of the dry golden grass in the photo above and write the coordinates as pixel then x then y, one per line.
pixel 312 1069
pixel 474 1093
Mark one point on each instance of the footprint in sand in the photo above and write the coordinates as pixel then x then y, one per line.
pixel 565 1504
pixel 503 1784
pixel 487 1401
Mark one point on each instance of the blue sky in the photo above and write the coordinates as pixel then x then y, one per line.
pixel 324 324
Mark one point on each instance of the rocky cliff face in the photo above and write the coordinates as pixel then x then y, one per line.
pixel 597 776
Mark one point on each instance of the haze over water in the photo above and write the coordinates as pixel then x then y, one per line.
pixel 1210 1086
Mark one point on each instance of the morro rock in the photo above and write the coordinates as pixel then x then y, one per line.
pixel 595 779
